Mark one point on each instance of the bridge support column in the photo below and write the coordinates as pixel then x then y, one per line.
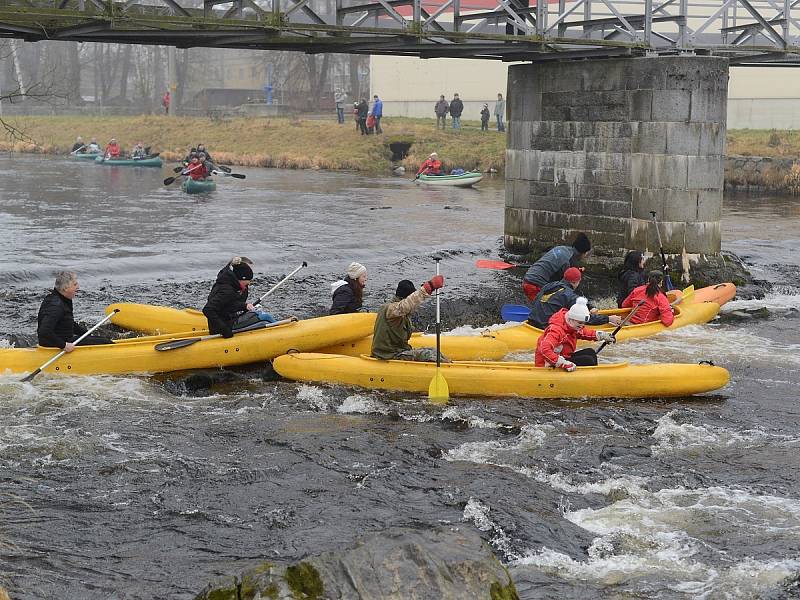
pixel 595 146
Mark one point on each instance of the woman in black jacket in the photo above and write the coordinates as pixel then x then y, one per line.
pixel 631 275
pixel 228 297
pixel 348 293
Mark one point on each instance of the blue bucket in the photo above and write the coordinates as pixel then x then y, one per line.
pixel 515 312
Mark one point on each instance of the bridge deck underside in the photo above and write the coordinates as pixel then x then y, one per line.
pixel 745 31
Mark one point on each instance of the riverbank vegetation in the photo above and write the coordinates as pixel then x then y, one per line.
pixel 292 143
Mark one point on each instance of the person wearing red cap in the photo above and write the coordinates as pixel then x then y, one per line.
pixel 551 265
pixel 561 294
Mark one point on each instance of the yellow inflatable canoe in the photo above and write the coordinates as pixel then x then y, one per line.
pixel 148 318
pixel 490 379
pixel 522 338
pixel 139 355
pixel 455 347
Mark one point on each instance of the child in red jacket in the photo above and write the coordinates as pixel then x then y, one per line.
pixel 655 304
pixel 556 346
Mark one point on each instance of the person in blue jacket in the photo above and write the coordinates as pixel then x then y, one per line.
pixel 377 112
pixel 551 266
pixel 561 294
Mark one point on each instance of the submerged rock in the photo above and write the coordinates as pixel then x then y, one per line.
pixel 399 563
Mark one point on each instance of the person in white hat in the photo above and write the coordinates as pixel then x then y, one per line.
pixel 556 346
pixel 348 293
pixel 431 166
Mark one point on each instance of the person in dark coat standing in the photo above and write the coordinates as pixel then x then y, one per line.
pixel 441 108
pixel 456 108
pixel 348 293
pixel 631 275
pixel 363 111
pixel 485 118
pixel 56 324
pixel 228 297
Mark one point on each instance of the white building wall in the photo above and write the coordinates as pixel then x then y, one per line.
pixel 758 98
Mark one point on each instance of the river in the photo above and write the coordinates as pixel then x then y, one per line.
pixel 137 488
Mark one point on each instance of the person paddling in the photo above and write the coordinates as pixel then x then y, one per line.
pixel 431 166
pixel 656 304
pixel 93 147
pixel 553 263
pixel 348 293
pixel 56 326
pixel 78 147
pixel 556 346
pixel 561 294
pixel 631 275
pixel 227 300
pixel 112 150
pixel 196 169
pixel 139 151
pixel 393 326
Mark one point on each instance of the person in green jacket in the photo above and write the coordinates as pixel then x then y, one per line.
pixel 393 326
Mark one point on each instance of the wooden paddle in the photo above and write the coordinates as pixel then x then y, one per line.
pixel 497 264
pixel 63 352
pixel 184 342
pixel 438 390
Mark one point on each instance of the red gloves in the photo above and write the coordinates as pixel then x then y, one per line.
pixel 434 284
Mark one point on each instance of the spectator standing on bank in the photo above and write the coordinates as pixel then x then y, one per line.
pixel 485 118
pixel 441 109
pixel 500 112
pixel 355 116
pixel 340 98
pixel 363 111
pixel 165 100
pixel 456 108
pixel 377 112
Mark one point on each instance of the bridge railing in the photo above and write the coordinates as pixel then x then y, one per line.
pixel 743 30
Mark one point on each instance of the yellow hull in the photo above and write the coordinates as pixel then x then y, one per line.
pixel 138 355
pixel 522 338
pixel 455 347
pixel 148 318
pixel 506 379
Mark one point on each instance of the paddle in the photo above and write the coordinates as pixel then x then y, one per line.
pixel 63 352
pixel 224 174
pixel 279 284
pixel 624 321
pixel 497 264
pixel 667 279
pixel 78 149
pixel 224 168
pixel 183 343
pixel 154 155
pixel 171 180
pixel 438 390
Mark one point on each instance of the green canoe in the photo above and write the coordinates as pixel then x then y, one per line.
pixel 153 161
pixel 200 186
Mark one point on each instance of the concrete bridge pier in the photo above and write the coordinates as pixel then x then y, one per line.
pixel 596 145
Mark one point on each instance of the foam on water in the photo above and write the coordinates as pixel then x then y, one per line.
pixel 494 451
pixel 478 513
pixel 673 437
pixel 458 413
pixel 775 301
pixel 363 405
pixel 314 396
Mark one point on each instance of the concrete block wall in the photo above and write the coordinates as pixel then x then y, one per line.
pixel 594 146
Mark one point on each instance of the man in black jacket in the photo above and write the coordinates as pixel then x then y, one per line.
pixel 56 324
pixel 456 108
pixel 228 297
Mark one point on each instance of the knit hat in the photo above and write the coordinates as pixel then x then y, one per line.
pixel 241 269
pixel 355 270
pixel 579 311
pixel 404 289
pixel 572 275
pixel 432 154
pixel 582 243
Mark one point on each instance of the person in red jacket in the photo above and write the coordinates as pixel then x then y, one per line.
pixel 556 346
pixel 196 169
pixel 431 166
pixel 656 304
pixel 112 150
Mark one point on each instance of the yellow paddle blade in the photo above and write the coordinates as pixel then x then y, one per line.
pixel 688 292
pixel 438 391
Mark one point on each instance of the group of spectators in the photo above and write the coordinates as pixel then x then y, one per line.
pixel 367 116
pixel 456 106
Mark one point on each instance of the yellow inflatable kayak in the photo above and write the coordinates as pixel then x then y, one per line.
pixel 522 338
pixel 140 355
pixel 148 318
pixel 620 380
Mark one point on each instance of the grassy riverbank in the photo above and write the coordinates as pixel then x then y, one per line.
pixel 269 142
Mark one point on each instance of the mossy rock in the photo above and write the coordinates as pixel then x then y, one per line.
pixel 498 591
pixel 304 581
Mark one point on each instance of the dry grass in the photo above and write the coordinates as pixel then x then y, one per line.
pixel 268 142
pixel 763 142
